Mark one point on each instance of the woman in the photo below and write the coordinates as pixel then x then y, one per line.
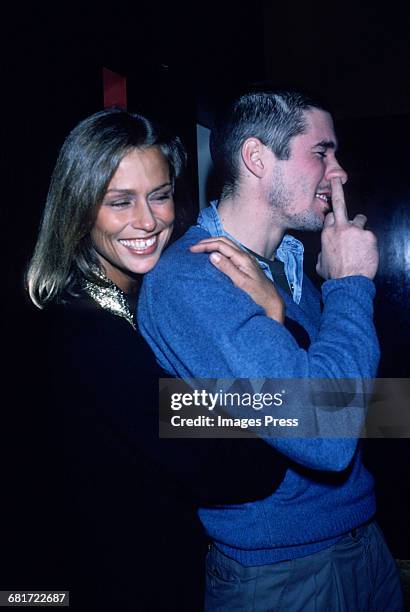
pixel 129 498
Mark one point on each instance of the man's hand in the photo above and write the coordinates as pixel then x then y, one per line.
pixel 245 273
pixel 347 248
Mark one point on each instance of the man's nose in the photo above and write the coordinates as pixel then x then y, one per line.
pixel 335 170
pixel 143 217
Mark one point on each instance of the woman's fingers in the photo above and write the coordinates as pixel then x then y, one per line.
pixel 259 288
pixel 245 273
pixel 218 239
pixel 228 267
pixel 226 247
pixel 222 244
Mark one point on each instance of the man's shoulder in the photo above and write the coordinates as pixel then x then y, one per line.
pixel 191 236
pixel 178 255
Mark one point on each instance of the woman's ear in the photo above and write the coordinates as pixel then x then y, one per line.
pixel 252 153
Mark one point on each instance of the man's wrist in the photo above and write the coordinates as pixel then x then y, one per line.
pixel 352 283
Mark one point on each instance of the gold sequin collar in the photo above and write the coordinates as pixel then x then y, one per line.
pixel 109 297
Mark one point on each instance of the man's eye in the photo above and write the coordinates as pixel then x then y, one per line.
pixel 321 154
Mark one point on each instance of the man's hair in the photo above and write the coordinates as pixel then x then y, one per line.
pixel 272 117
pixel 87 161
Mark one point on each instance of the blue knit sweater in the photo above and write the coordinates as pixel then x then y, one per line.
pixel 200 325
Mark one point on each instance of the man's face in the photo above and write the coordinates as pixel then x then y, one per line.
pixel 299 190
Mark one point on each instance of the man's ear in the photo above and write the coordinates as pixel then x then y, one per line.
pixel 252 153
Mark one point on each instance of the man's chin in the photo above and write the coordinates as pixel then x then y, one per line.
pixel 316 223
pixel 308 221
pixel 312 225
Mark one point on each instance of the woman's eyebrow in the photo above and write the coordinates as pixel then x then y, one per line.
pixel 127 191
pixel 168 184
pixel 133 192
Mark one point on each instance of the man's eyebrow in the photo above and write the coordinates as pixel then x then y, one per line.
pixel 326 144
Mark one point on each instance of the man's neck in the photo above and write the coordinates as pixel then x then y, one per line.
pixel 249 220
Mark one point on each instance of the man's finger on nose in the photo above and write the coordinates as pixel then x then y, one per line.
pixel 359 221
pixel 338 202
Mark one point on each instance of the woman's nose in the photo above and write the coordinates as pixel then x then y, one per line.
pixel 143 218
pixel 335 170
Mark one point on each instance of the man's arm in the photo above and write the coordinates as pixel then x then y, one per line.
pixel 200 325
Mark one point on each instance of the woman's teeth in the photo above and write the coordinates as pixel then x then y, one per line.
pixel 322 196
pixel 139 245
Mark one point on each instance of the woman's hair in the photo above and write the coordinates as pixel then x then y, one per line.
pixel 85 166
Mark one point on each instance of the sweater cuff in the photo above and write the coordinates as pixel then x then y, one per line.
pixel 353 284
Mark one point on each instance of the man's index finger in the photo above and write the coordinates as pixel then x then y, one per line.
pixel 338 202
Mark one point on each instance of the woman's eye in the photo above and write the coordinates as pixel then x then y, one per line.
pixel 162 197
pixel 119 204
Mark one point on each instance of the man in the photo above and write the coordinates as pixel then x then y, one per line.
pixel 312 544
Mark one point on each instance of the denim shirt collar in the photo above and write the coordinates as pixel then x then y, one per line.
pixel 290 250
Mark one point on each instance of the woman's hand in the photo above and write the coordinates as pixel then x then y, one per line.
pixel 245 273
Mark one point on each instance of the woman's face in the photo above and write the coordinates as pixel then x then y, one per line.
pixel 135 219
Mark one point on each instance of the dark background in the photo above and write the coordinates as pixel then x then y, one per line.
pixel 180 63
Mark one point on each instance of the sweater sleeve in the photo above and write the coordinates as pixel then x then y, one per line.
pixel 200 325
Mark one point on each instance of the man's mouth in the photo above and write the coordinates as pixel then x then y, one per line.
pixel 323 196
pixel 141 245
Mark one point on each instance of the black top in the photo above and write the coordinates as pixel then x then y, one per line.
pixel 129 499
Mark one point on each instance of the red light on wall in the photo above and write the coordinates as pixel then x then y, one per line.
pixel 115 89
